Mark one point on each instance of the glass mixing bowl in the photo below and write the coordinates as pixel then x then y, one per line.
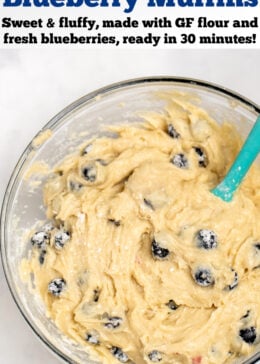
pixel 22 206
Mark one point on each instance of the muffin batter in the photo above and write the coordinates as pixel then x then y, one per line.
pixel 140 262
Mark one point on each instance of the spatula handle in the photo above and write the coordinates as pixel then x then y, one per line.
pixel 241 165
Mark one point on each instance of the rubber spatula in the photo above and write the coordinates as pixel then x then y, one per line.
pixel 225 190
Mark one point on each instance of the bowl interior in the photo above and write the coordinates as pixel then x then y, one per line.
pixel 23 206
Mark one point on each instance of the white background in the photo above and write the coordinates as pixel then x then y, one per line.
pixel 35 85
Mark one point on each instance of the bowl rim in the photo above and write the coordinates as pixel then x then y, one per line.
pixel 52 124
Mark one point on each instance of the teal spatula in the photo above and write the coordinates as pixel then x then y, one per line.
pixel 239 168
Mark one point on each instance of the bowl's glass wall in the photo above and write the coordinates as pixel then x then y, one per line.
pixel 23 206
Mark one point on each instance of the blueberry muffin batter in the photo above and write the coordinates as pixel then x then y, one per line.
pixel 140 262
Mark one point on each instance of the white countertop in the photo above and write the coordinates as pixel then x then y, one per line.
pixel 35 85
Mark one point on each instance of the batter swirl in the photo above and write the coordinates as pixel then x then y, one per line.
pixel 141 263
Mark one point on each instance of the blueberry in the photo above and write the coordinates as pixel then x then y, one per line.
pixel 149 204
pixel 115 222
pixel 96 294
pixel 172 305
pixel 206 239
pixel 202 157
pixel 159 252
pixel 180 161
pixel 155 356
pixel 257 246
pixel 92 337
pixel 173 132
pixel 234 283
pixel 56 286
pixel 75 186
pixel 89 173
pixel 61 238
pixel 246 315
pixel 113 322
pixel 42 256
pixel 87 149
pixel 119 354
pixel 40 239
pixel 203 277
pixel 248 334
